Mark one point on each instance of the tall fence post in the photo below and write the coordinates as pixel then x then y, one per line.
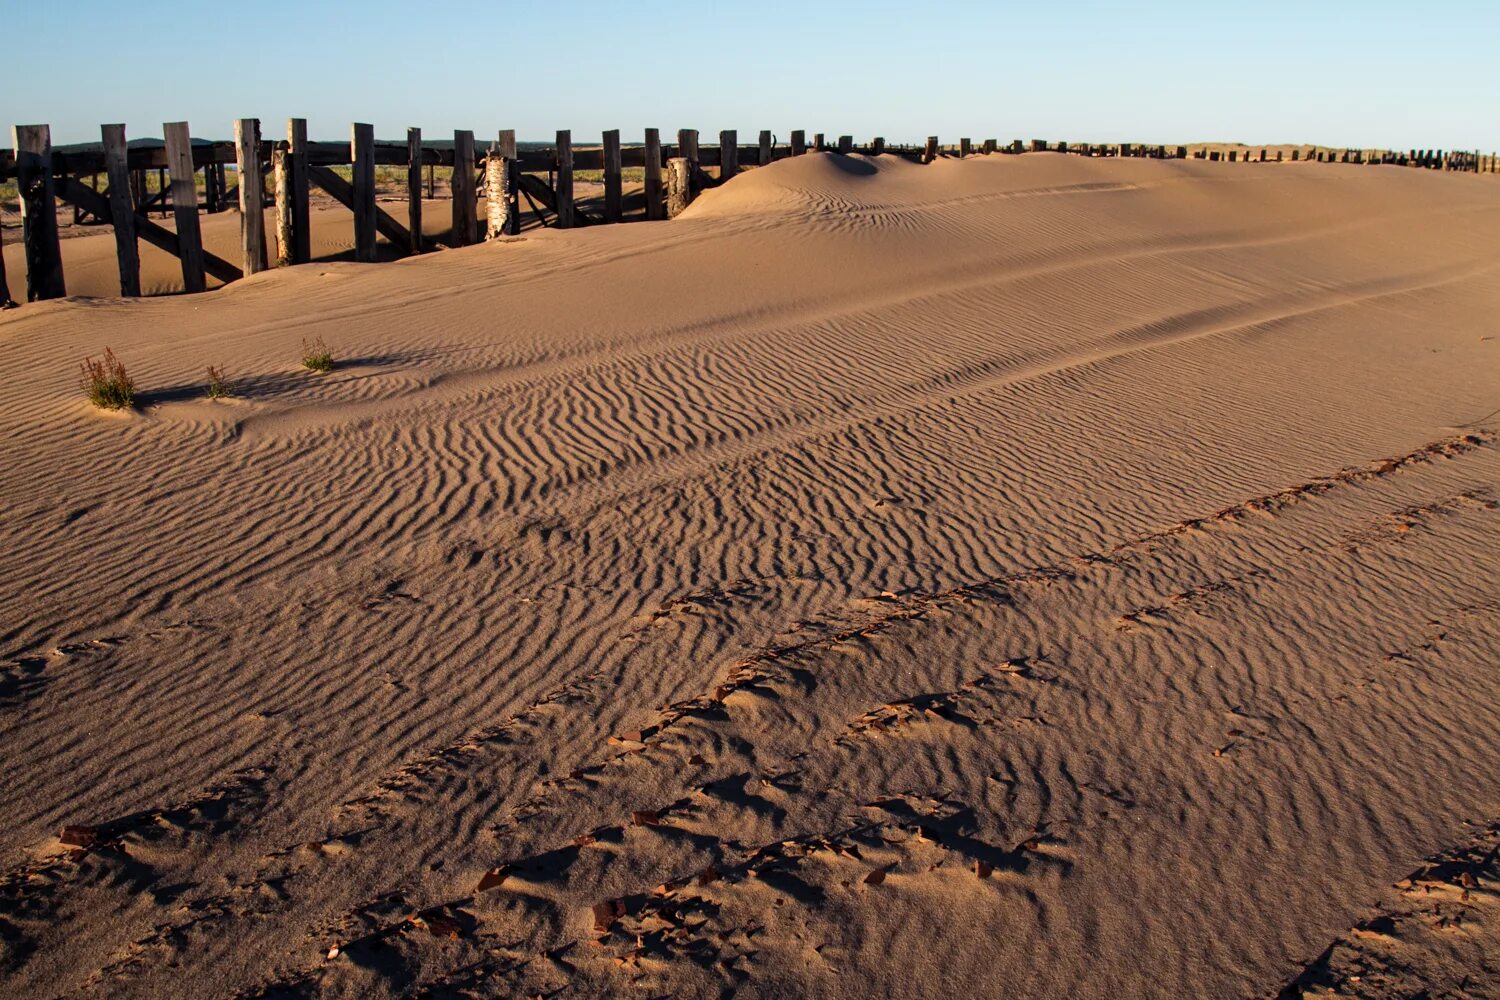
pixel 496 194
pixel 296 137
pixel 963 148
pixel 185 203
pixel 799 142
pixel 729 154
pixel 614 184
pixel 281 179
pixel 817 143
pixel 512 181
pixel 655 208
pixel 252 194
pixel 765 148
pixel 687 148
pixel 930 153
pixel 679 185
pixel 121 209
pixel 414 189
pixel 465 211
pixel 362 152
pixel 37 190
pixel 564 187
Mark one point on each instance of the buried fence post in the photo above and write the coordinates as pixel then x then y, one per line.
pixel 185 203
pixel 566 218
pixel 37 190
pixel 963 147
pixel 301 212
pixel 799 142
pixel 846 144
pixel 655 208
pixel 465 211
pixel 5 300
pixel 687 148
pixel 817 143
pixel 121 209
pixel 414 189
pixel 614 184
pixel 877 145
pixel 362 152
pixel 930 153
pixel 679 186
pixel 765 147
pixel 729 154
pixel 252 194
pixel 281 178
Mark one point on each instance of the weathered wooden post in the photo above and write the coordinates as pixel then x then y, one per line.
pixel 846 145
pixel 121 209
pixel 296 136
pixel 414 189
pixel 679 186
pixel 930 153
pixel 817 143
pixel 252 195
pixel 281 178
pixel 362 153
pixel 729 154
pixel 512 181
pixel 614 185
pixel 963 147
pixel 877 145
pixel 687 148
pixel 185 203
pixel 799 142
pixel 6 301
pixel 989 146
pixel 655 208
pixel 765 148
pixel 566 211
pixel 496 194
pixel 465 211
pixel 37 190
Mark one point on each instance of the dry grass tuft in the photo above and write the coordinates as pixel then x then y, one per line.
pixel 315 356
pixel 218 386
pixel 108 385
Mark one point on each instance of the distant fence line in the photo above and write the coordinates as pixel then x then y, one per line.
pixel 282 173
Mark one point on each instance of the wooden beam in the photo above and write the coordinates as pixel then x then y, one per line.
pixel 121 209
pixel 764 158
pixel 414 189
pixel 281 179
pixel 564 186
pixel 729 154
pixel 185 204
pixel 512 172
pixel 343 192
pixel 164 239
pixel 799 142
pixel 252 195
pixel 655 207
pixel 37 191
pixel 362 152
pixel 613 177
pixel 301 150
pixel 465 211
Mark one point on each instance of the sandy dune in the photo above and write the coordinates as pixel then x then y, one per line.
pixel 1026 576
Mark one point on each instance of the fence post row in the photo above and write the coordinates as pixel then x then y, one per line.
pixel 670 186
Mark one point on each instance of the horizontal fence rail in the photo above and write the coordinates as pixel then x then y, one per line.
pixel 281 174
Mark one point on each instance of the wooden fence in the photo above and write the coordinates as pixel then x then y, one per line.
pixel 282 174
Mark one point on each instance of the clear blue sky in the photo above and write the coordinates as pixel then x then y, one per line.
pixel 1372 73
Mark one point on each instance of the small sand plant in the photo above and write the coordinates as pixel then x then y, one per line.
pixel 315 356
pixel 108 385
pixel 218 386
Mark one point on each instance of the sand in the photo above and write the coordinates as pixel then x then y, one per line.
pixel 1027 576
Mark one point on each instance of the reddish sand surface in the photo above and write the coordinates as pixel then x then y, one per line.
pixel 1026 576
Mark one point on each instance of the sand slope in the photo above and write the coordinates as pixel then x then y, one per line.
pixel 1031 576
